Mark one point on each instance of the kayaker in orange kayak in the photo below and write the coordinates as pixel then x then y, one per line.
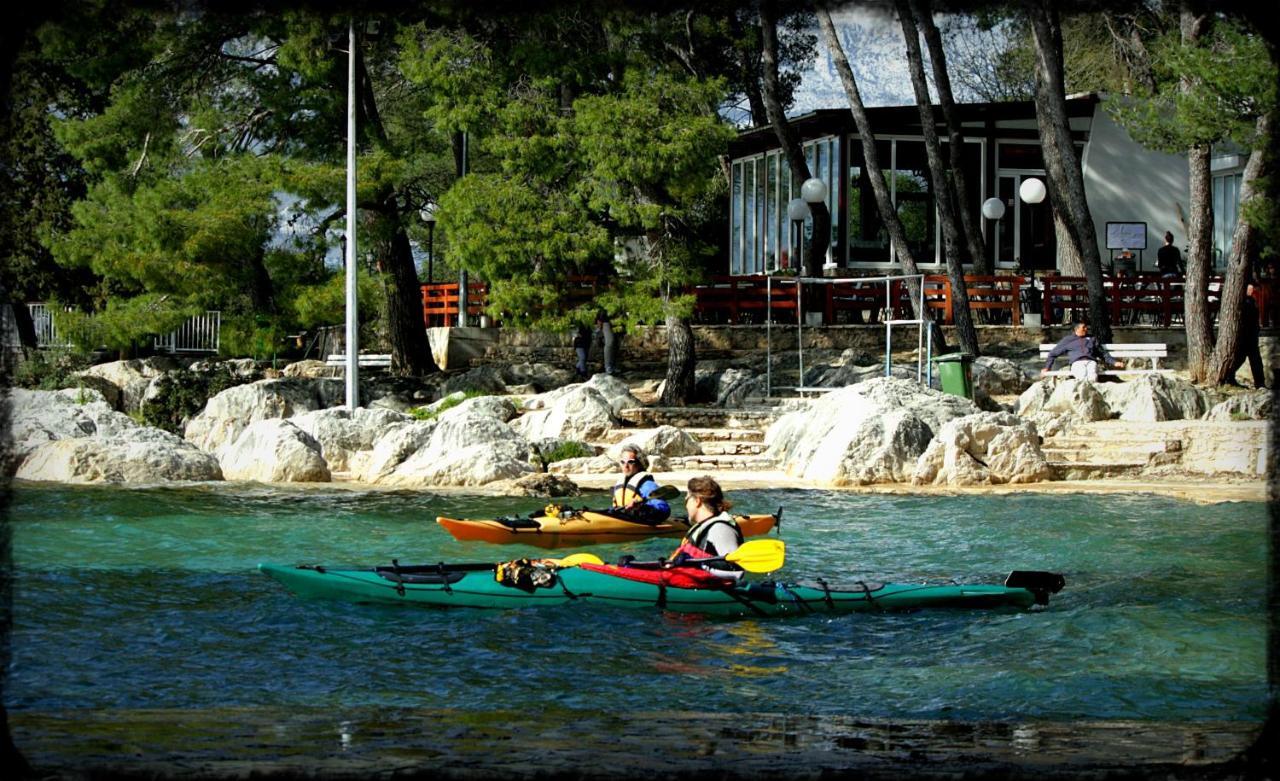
pixel 633 492
pixel 713 532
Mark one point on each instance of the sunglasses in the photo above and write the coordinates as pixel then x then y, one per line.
pixel 626 461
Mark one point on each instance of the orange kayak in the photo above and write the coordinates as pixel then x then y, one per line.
pixel 583 527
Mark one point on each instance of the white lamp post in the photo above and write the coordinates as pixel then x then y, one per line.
pixel 353 323
pixel 814 190
pixel 428 215
pixel 1032 190
pixel 797 213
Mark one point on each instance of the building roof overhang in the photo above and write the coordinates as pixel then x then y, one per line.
pixel 975 119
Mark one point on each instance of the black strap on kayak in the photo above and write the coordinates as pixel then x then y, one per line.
pixel 395 571
pixel 777 521
pixel 444 578
pixel 826 594
pixel 867 590
pixel 744 599
pixel 804 606
pixel 563 587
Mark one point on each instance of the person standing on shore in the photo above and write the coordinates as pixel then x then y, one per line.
pixel 1247 345
pixel 605 330
pixel 581 344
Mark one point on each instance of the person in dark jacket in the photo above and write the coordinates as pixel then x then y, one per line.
pixel 1168 258
pixel 581 344
pixel 1247 345
pixel 1083 353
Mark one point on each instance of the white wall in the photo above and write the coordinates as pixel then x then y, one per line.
pixel 1126 183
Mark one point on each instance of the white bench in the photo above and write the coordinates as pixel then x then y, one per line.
pixel 339 361
pixel 1122 352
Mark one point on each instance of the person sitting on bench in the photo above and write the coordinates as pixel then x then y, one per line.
pixel 1083 352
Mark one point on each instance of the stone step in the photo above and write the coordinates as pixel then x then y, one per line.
pixel 703 435
pixel 721 463
pixel 1109 456
pixel 1063 470
pixel 732 448
pixel 699 417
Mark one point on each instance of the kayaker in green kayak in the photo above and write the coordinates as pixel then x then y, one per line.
pixel 713 533
pixel 633 494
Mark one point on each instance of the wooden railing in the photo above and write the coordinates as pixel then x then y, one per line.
pixel 735 300
pixel 1144 298
pixel 1131 299
pixel 440 302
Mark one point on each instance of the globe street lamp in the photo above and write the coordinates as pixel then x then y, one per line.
pixel 814 190
pixel 428 215
pixel 1032 190
pixel 993 208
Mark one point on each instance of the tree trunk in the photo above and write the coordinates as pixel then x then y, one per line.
pixel 816 254
pixel 1068 260
pixel 681 359
pixel 406 328
pixel 875 174
pixel 1195 301
pixel 1244 241
pixel 943 196
pixel 971 225
pixel 1066 184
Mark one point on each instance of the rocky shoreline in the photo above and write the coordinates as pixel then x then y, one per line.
pixel 490 430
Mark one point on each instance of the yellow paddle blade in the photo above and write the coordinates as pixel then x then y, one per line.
pixel 759 555
pixel 574 559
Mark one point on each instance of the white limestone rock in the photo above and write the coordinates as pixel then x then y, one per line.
pixel 342 433
pixel 987 448
pixel 136 455
pixel 602 464
pixel 274 451
pixel 230 412
pixel 392 446
pixel 871 432
pixel 131 378
pixel 1153 397
pixel 466 450
pixel 497 407
pixel 1254 405
pixel 577 411
pixel 660 441
pixel 37 417
pixel 999 376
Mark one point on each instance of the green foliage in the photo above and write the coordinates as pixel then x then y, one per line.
pixel 564 450
pixel 179 396
pixel 1233 83
pixel 51 369
pixel 432 412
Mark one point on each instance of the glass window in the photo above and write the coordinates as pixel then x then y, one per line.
pixel 735 221
pixel 774 215
pixel 749 222
pixel 913 200
pixel 1226 210
pixel 868 240
pixel 1027 156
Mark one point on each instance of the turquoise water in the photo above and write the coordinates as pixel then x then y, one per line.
pixel 131 599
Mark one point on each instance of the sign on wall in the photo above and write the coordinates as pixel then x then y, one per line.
pixel 1126 235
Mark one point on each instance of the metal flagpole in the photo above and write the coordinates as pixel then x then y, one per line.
pixel 353 347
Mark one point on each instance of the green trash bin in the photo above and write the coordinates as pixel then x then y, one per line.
pixel 954 374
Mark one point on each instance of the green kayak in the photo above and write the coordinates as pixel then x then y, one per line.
pixel 475 585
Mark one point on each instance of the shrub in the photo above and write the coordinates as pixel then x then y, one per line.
pixel 428 413
pixel 180 395
pixel 566 450
pixel 51 369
